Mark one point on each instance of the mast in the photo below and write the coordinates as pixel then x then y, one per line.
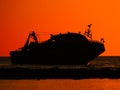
pixel 31 35
pixel 88 32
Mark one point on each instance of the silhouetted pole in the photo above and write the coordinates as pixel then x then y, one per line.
pixel 88 32
pixel 102 40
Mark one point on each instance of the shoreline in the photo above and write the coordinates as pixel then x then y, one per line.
pixel 57 73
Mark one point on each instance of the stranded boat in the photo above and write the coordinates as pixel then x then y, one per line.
pixel 60 49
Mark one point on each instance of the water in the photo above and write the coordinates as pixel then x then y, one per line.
pixel 91 84
pixel 100 62
pixel 64 84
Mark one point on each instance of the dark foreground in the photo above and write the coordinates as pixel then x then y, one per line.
pixel 56 73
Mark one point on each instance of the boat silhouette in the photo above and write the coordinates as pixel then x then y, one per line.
pixel 60 49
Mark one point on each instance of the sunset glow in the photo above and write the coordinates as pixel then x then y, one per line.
pixel 19 17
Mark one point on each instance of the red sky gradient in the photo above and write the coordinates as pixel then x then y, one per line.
pixel 19 17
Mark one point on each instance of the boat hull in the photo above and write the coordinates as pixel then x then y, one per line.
pixel 58 56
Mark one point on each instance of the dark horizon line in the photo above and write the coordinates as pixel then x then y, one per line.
pixel 98 56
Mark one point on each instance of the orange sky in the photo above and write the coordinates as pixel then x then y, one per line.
pixel 19 17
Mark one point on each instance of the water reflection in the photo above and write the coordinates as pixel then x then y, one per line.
pixel 61 84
